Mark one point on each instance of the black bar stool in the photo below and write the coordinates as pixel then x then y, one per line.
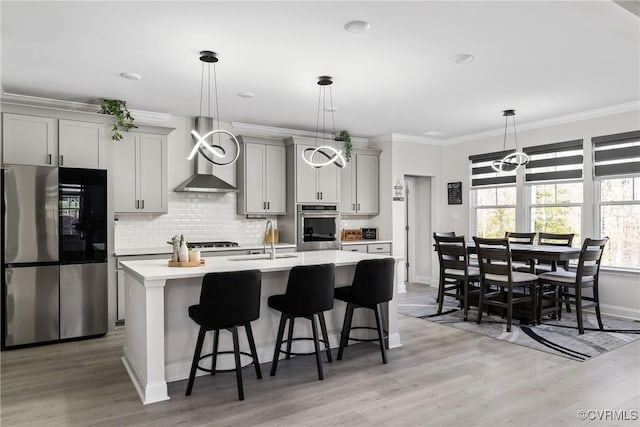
pixel 372 286
pixel 227 300
pixel 309 293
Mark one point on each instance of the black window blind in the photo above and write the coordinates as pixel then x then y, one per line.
pixel 554 162
pixel 483 175
pixel 617 154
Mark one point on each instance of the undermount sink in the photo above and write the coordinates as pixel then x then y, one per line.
pixel 261 257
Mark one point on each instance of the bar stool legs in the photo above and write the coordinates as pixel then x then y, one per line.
pixel 346 330
pixel 316 341
pixel 196 358
pixel 214 354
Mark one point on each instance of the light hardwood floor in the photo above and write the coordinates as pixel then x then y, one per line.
pixel 441 376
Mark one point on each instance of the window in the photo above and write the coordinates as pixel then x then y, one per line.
pixel 495 210
pixel 616 160
pixel 557 208
pixel 620 221
pixel 493 198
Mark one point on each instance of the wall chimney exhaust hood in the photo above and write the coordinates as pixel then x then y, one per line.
pixel 201 181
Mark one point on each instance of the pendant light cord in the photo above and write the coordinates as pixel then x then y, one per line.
pixel 318 113
pixel 515 134
pixel 215 86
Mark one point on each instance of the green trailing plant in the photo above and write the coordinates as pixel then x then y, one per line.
pixel 124 119
pixel 346 138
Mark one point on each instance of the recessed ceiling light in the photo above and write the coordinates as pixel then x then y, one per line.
pixel 463 58
pixel 357 26
pixel 131 76
pixel 433 133
pixel 246 94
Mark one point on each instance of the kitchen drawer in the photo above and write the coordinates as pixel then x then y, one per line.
pixel 379 248
pixel 355 248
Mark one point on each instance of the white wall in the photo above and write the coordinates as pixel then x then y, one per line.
pixel 620 291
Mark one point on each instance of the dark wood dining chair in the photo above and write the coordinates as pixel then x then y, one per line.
pixel 553 239
pixel 496 270
pixel 455 273
pixel 571 284
pixel 521 263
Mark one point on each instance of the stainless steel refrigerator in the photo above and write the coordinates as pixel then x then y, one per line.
pixel 54 283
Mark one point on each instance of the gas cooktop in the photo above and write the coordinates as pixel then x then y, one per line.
pixel 211 244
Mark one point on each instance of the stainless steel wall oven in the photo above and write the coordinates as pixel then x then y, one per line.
pixel 318 227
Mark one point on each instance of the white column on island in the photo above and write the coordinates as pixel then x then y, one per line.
pixel 143 354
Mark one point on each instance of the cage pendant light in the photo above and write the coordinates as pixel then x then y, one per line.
pixel 214 153
pixel 514 160
pixel 324 155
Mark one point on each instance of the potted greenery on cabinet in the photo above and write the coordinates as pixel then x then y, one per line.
pixel 124 119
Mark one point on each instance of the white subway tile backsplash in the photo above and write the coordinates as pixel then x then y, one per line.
pixel 200 217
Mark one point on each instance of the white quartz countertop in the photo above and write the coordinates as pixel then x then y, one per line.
pixel 363 242
pixel 167 249
pixel 159 270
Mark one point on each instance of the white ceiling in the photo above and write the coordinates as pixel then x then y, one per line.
pixel 543 59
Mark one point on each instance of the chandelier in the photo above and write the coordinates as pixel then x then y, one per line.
pixel 324 155
pixel 514 160
pixel 214 153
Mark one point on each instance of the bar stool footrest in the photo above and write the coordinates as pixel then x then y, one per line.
pixel 244 353
pixel 301 339
pixel 385 334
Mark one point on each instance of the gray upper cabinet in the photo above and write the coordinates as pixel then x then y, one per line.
pixel 139 173
pixel 81 145
pixel 312 185
pixel 47 141
pixel 261 177
pixel 359 184
pixel 29 140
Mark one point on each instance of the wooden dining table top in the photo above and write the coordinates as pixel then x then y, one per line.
pixel 539 252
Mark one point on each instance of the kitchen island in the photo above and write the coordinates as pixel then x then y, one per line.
pixel 160 337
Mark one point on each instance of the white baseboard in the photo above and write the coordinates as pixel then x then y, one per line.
pixel 424 279
pixel 617 311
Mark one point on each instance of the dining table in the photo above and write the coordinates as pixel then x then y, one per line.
pixel 548 253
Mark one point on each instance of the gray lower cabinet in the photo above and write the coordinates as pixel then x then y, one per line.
pixel 83 300
pixel 381 248
pixel 32 313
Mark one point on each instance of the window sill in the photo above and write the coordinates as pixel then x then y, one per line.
pixel 620 270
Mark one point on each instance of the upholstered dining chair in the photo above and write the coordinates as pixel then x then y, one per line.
pixel 455 273
pixel 496 270
pixel 519 263
pixel 585 276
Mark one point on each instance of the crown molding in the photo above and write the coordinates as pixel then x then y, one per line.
pixel 83 107
pixel 555 121
pixel 399 137
pixel 281 133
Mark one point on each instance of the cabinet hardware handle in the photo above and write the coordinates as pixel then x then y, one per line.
pixel 321 195
pixel 264 205
pixel 137 204
pixel 61 159
pixel 353 206
pixel 268 206
pixel 358 206
pixel 142 204
pixel 48 159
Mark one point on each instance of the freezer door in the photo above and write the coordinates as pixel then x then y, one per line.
pixel 30 203
pixel 83 300
pixel 31 310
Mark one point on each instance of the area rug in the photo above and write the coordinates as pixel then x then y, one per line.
pixel 559 337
